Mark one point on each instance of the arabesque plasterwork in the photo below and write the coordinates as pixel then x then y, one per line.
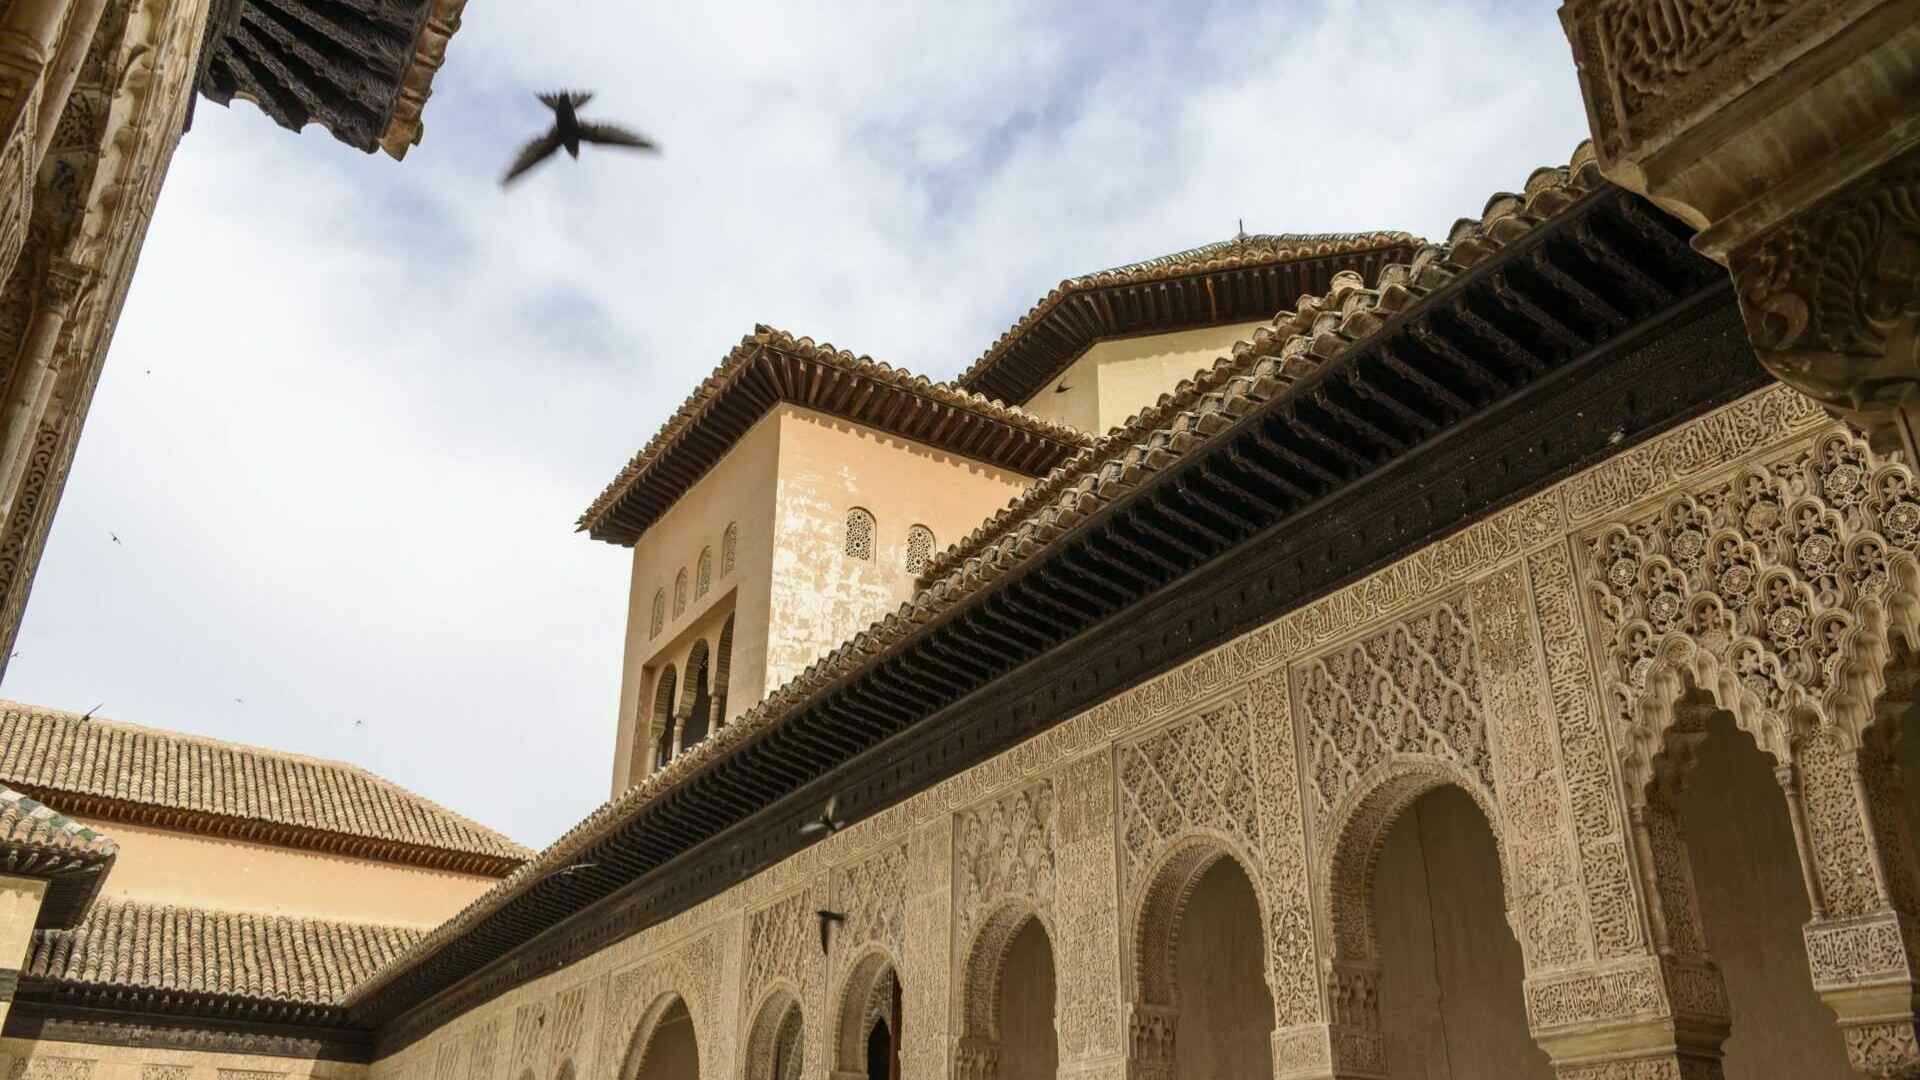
pixel 1506 659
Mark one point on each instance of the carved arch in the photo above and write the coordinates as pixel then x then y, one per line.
pixel 777 1018
pixel 641 1041
pixel 1780 593
pixel 1162 906
pixel 852 1015
pixel 1361 823
pixel 986 959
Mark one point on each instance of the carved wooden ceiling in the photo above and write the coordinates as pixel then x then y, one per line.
pixel 342 64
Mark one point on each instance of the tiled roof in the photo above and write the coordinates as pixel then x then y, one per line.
pixel 1235 280
pixel 36 841
pixel 122 772
pixel 770 366
pixel 1315 332
pixel 35 838
pixel 135 946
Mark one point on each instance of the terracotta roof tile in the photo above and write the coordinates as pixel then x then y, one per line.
pixel 138 946
pixel 742 388
pixel 1315 331
pixel 36 839
pixel 118 771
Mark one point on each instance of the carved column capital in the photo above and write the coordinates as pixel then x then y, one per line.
pixel 1831 299
pixel 1150 1035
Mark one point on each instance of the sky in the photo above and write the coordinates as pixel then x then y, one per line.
pixel 354 406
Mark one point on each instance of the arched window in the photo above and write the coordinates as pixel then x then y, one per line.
pixel 659 613
pixel 696 701
pixel 859 534
pixel 680 593
pixel 729 548
pixel 703 577
pixel 919 548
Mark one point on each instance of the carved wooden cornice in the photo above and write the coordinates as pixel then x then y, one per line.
pixel 363 69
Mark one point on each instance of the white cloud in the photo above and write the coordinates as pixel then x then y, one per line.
pixel 380 393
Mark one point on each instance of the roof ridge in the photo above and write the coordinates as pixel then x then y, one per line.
pixel 1331 329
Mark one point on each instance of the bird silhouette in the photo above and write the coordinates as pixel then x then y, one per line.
pixel 827 919
pixel 115 538
pixel 826 822
pixel 1062 388
pixel 88 715
pixel 568 132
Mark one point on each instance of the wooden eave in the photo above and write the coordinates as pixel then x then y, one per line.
pixel 1433 410
pixel 1082 312
pixel 770 368
pixel 363 69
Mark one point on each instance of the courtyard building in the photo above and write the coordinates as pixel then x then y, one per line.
pixel 1310 656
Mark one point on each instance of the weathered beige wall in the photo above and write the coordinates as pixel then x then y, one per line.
pixel 1450 978
pixel 1238 752
pixel 821 596
pixel 22 1059
pixel 165 867
pixel 1753 906
pixel 739 489
pixel 1114 379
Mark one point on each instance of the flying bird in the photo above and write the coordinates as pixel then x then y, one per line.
pixel 827 919
pixel 88 715
pixel 825 823
pixel 1062 388
pixel 115 537
pixel 574 869
pixel 569 131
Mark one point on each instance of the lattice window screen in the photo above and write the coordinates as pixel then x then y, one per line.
pixel 729 548
pixel 703 580
pixel 659 613
pixel 919 548
pixel 859 534
pixel 680 593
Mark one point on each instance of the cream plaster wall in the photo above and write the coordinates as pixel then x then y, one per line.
pixel 738 489
pixel 1082 825
pixel 160 866
pixel 20 900
pixel 1114 379
pixel 828 466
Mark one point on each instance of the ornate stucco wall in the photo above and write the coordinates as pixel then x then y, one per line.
pixel 1532 661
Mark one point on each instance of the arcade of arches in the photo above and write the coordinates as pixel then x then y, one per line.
pixel 1615 783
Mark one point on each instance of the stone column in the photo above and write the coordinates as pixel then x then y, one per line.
pixel 19 910
pixel 1862 946
pixel 42 43
pixel 35 372
pixel 1786 133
